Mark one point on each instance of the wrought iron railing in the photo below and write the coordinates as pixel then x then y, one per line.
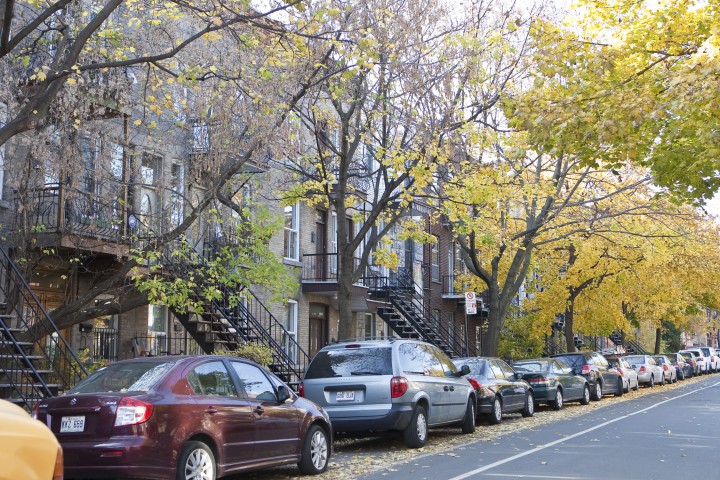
pixel 37 359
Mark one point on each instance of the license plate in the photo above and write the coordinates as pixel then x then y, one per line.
pixel 345 396
pixel 72 424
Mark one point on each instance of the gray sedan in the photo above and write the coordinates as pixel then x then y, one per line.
pixel 649 373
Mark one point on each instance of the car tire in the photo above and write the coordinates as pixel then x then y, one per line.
pixel 585 400
pixel 468 423
pixel 315 451
pixel 495 416
pixel 529 409
pixel 557 404
pixel 651 383
pixel 619 388
pixel 663 380
pixel 597 394
pixel 682 375
pixel 416 432
pixel 637 385
pixel 196 462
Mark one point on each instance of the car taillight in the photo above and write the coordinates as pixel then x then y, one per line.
pixel 36 411
pixel 58 472
pixel 585 370
pixel 538 381
pixel 301 390
pixel 131 411
pixel 620 371
pixel 475 384
pixel 642 368
pixel 398 386
pixel 664 367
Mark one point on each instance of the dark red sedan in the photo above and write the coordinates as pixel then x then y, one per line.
pixel 190 418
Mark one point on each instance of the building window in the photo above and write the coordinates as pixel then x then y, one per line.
pixel 435 260
pixel 289 340
pixel 177 191
pixel 157 329
pixel 333 243
pixel 292 234
pixel 366 326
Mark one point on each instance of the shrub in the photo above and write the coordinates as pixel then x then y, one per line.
pixel 259 354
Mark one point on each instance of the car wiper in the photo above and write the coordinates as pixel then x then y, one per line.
pixel 361 372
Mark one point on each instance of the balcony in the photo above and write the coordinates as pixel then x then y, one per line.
pixel 320 276
pixel 56 210
pixel 449 290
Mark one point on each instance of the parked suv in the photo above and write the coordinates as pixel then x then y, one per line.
pixel 595 368
pixel 385 385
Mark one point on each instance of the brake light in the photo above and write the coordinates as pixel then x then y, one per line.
pixel 585 370
pixel 642 368
pixel 58 472
pixel 131 411
pixel 475 384
pixel 301 389
pixel 398 386
pixel 664 367
pixel 620 371
pixel 538 381
pixel 36 411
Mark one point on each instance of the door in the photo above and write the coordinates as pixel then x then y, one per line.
pixel 224 412
pixel 277 428
pixel 424 372
pixel 504 386
pixel 318 328
pixel 456 388
pixel 572 386
pixel 519 388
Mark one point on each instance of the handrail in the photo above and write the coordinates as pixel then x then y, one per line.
pixel 23 301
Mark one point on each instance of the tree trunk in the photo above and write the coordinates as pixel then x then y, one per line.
pixel 569 333
pixel 658 341
pixel 345 330
pixel 491 347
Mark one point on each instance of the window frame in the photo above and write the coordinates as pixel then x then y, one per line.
pixel 291 237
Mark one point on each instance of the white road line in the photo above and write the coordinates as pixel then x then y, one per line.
pixel 570 437
pixel 513 475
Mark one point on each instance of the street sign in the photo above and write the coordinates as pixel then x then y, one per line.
pixel 470 303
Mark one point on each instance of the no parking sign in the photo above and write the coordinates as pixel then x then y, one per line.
pixel 470 303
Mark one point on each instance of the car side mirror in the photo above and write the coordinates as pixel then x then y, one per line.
pixel 464 370
pixel 283 393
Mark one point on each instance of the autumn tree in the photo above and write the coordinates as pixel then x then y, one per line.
pixel 151 78
pixel 631 82
pixel 379 132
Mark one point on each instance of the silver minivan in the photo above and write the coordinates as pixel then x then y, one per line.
pixel 390 385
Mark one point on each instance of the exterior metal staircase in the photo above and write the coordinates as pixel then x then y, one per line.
pixel 231 319
pixel 35 360
pixel 408 312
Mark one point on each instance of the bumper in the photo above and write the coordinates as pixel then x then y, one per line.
pixel 117 457
pixel 396 418
pixel 544 394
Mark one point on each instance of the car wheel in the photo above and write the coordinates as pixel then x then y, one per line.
pixel 682 375
pixel 416 432
pixel 585 400
pixel 496 414
pixel 651 383
pixel 637 385
pixel 196 462
pixel 315 451
pixel 557 404
pixel 619 388
pixel 663 380
pixel 673 378
pixel 529 409
pixel 468 423
pixel 627 390
pixel 597 394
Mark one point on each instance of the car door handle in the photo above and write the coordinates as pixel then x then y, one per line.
pixel 448 389
pixel 211 410
pixel 259 410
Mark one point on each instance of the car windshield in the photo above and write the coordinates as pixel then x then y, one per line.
pixel 530 367
pixel 348 362
pixel 123 377
pixel 574 361
pixel 634 360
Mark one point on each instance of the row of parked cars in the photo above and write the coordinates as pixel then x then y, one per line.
pixel 203 417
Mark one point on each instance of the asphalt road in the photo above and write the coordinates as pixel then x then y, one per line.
pixel 665 435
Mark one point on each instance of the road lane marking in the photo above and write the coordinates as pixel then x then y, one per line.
pixel 570 437
pixel 515 475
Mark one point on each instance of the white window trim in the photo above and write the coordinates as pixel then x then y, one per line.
pixel 291 326
pixel 294 232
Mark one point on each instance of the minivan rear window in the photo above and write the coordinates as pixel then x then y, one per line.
pixel 350 362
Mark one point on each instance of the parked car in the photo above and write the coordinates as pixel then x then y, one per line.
pixel 197 417
pixel 669 373
pixel 700 360
pixel 390 385
pixel 629 376
pixel 683 369
pixel 28 449
pixel 712 359
pixel 649 372
pixel 692 361
pixel 498 388
pixel 595 368
pixel 553 381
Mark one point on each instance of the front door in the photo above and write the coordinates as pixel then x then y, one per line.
pixel 321 259
pixel 318 327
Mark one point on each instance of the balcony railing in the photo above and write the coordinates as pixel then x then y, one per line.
pixel 56 209
pixel 323 267
pixel 449 289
